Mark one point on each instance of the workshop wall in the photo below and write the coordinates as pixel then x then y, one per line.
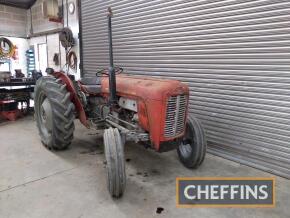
pixel 72 21
pixel 55 49
pixel 22 46
pixel 44 31
pixel 13 21
pixel 39 30
pixel 35 42
pixel 39 23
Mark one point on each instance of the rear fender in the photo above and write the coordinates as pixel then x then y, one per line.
pixel 74 97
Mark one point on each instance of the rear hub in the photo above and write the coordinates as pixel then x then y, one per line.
pixel 46 116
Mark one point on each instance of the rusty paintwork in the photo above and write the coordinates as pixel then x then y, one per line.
pixel 74 98
pixel 151 95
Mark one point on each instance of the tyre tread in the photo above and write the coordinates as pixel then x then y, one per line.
pixel 63 112
pixel 115 162
pixel 197 157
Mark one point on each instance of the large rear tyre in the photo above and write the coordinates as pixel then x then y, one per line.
pixel 54 113
pixel 114 151
pixel 192 147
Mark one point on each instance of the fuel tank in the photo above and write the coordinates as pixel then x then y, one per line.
pixel 144 87
pixel 157 100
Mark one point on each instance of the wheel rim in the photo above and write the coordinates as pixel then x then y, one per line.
pixel 45 114
pixel 187 143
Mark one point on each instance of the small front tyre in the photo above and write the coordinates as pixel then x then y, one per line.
pixel 114 152
pixel 192 147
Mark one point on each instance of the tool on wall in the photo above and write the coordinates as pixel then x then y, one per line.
pixel 56 59
pixel 67 41
pixel 72 60
pixel 7 48
pixel 15 55
pixel 66 38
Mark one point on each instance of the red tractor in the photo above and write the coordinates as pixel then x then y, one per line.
pixel 151 111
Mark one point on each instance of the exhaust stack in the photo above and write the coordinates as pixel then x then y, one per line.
pixel 112 75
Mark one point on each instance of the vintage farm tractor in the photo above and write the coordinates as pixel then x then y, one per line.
pixel 151 111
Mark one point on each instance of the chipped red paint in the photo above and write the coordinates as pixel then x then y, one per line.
pixel 70 87
pixel 151 95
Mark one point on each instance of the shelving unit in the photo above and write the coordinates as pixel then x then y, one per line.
pixel 30 58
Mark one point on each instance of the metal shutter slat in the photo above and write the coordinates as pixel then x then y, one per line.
pixel 234 55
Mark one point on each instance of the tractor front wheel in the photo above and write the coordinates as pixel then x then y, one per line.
pixel 54 113
pixel 192 147
pixel 114 152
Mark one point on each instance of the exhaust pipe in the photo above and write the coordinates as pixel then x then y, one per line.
pixel 112 75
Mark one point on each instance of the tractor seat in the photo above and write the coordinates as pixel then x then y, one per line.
pixel 90 80
pixel 91 84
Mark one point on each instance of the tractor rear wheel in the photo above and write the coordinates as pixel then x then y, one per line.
pixel 192 147
pixel 54 113
pixel 114 151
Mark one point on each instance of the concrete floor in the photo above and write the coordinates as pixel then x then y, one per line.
pixel 35 182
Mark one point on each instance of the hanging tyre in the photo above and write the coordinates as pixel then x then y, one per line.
pixel 192 147
pixel 54 113
pixel 114 152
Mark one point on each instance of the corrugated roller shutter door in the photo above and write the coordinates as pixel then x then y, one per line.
pixel 235 56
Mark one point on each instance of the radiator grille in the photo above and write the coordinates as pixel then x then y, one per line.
pixel 175 115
